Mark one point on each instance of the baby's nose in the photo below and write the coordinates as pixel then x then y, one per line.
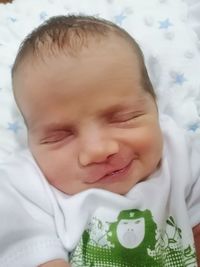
pixel 97 151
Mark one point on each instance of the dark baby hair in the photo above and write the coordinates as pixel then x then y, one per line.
pixel 69 34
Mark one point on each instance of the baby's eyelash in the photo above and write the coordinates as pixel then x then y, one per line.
pixel 126 117
pixel 45 142
pixel 55 138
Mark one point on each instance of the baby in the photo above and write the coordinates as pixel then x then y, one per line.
pixel 109 181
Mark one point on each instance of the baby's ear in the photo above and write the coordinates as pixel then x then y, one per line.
pixel 196 233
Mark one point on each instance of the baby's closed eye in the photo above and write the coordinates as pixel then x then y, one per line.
pixel 56 136
pixel 126 116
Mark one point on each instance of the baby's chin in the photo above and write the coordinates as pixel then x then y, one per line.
pixel 119 182
pixel 117 188
pixel 118 191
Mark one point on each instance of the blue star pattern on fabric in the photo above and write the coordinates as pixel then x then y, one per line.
pixel 165 24
pixel 119 18
pixel 194 127
pixel 179 78
pixel 14 127
pixel 43 15
pixel 12 19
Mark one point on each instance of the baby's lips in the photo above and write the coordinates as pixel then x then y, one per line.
pixel 101 174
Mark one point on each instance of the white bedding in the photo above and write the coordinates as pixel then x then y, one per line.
pixel 167 30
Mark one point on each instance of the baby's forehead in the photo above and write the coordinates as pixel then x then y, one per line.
pixel 71 35
pixel 95 63
pixel 46 49
pixel 80 47
pixel 47 52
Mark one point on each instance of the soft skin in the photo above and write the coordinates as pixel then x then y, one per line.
pixel 56 263
pixel 89 116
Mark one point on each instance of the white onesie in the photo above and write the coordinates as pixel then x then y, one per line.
pixel 150 226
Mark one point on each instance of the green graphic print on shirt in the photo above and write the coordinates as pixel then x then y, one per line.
pixel 133 240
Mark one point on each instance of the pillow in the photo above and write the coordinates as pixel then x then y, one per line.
pixel 162 29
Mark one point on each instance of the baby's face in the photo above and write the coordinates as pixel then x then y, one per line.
pixel 90 122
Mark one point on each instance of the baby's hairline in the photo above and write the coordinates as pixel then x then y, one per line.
pixel 37 41
pixel 69 34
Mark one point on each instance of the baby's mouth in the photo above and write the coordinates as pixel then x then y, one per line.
pixel 113 175
pixel 114 172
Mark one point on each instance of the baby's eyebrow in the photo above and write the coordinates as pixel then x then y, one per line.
pixel 49 127
pixel 55 126
pixel 113 109
pixel 139 104
pixel 135 105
